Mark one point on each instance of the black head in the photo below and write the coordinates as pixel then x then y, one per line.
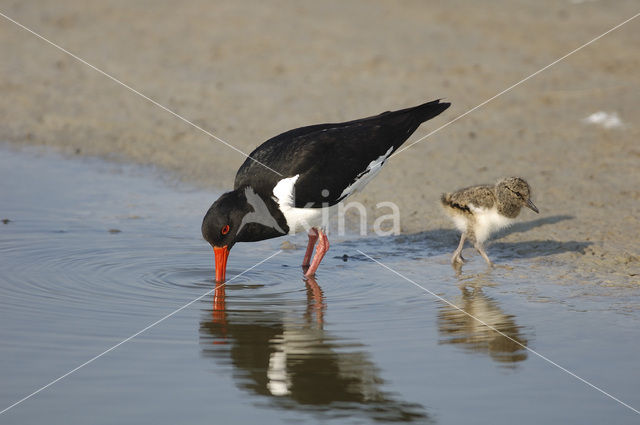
pixel 241 215
pixel 517 192
pixel 220 227
pixel 222 221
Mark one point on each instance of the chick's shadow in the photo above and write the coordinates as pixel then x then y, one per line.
pixel 536 248
pixel 525 226
pixel 443 241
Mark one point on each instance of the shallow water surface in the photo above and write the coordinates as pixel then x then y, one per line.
pixel 93 253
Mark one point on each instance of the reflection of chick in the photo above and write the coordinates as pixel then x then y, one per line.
pixel 478 211
pixel 460 328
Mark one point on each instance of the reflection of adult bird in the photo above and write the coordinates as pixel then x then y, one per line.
pixel 292 360
pixel 506 346
pixel 301 171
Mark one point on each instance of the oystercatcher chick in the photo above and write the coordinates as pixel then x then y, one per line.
pixel 478 211
pixel 285 183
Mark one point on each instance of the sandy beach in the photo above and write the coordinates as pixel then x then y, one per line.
pixel 246 71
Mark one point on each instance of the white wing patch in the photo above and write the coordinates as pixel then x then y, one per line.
pixel 283 191
pixel 298 219
pixel 366 176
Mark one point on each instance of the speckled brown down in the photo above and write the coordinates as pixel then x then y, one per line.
pixel 478 211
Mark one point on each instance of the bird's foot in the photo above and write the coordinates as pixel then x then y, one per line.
pixel 458 259
pixel 456 262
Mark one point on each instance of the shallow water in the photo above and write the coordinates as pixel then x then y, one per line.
pixel 96 252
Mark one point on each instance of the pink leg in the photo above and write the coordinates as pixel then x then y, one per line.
pixel 321 249
pixel 313 237
pixel 315 300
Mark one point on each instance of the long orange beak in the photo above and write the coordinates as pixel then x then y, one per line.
pixel 221 253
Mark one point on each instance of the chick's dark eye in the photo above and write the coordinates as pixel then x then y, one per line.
pixel 518 194
pixel 225 230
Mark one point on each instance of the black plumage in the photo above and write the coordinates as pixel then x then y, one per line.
pixel 330 156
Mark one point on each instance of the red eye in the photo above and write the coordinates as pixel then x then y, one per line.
pixel 225 230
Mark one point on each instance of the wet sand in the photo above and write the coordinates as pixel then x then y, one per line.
pixel 249 70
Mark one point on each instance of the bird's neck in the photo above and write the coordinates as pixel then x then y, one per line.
pixel 264 219
pixel 509 209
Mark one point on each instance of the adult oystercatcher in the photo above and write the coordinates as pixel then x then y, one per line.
pixel 285 183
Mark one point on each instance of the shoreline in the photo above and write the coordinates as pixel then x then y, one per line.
pixel 248 72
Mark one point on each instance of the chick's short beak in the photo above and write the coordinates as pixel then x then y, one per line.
pixel 221 253
pixel 532 206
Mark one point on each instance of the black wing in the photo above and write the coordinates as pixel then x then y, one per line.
pixel 330 156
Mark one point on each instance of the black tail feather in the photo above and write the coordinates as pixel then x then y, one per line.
pixel 431 109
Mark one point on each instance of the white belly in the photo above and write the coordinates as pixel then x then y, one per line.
pixel 303 219
pixel 460 222
pixel 488 221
